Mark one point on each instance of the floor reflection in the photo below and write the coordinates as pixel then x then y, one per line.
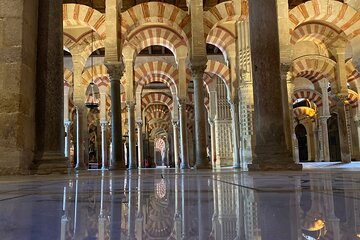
pixel 166 204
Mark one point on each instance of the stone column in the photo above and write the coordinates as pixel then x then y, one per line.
pixel 103 125
pixel 199 108
pixel 183 129
pixel 115 71
pixel 176 143
pixel 345 144
pixel 132 141
pixel 140 145
pixel 67 125
pixel 236 131
pixel 215 163
pixel 49 147
pixel 271 151
pixel 325 115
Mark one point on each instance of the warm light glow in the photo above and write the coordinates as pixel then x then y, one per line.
pixel 316 225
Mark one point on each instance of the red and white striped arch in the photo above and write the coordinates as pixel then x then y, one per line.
pixel 77 14
pixel 98 74
pixel 154 97
pixel 223 12
pixel 161 116
pixel 147 36
pixel 311 95
pixel 317 32
pixel 221 38
pixel 314 68
pixel 220 70
pixel 352 72
pixel 340 16
pixel 156 12
pixel 157 67
pixel 157 108
pixel 156 77
pixel 353 98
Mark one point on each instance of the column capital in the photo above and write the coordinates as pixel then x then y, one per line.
pixel 67 123
pixel 198 69
pixel 175 123
pixel 182 102
pixel 130 104
pixel 115 70
pixel 139 123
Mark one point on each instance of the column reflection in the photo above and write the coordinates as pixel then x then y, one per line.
pixel 184 205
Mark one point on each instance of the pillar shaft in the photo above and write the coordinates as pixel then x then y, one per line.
pixel 343 132
pixel 235 133
pixel 183 130
pixel 140 145
pixel 115 72
pixel 132 141
pixel 49 148
pixel 200 128
pixel 271 151
pixel 67 125
pixel 103 144
pixel 176 143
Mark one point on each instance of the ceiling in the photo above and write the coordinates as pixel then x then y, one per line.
pixel 100 4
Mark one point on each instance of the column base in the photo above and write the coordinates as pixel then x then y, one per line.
pixel 132 167
pixel 50 163
pixel 203 166
pixel 275 167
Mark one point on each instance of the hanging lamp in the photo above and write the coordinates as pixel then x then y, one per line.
pixel 92 93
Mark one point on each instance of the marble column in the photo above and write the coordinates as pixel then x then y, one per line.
pixel 67 125
pixel 103 125
pixel 183 129
pixel 200 128
pixel 49 146
pixel 176 143
pixel 141 163
pixel 215 163
pixel 325 115
pixel 81 121
pixel 271 150
pixel 132 141
pixel 115 72
pixel 236 131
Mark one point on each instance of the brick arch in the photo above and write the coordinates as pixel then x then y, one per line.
pixel 159 115
pixel 156 98
pixel 97 73
pixel 156 77
pixel 157 67
pixel 220 70
pixel 352 72
pixel 221 38
pixel 77 14
pixel 309 94
pixel 68 77
pixel 338 14
pixel 156 12
pixel 341 16
pixel 353 98
pixel 161 35
pixel 314 68
pixel 223 12
pixel 316 32
pixel 164 126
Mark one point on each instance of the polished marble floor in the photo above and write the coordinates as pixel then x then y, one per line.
pixel 170 204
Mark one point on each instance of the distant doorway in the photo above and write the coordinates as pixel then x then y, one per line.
pixel 301 136
pixel 334 139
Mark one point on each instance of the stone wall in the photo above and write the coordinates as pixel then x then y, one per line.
pixel 18 31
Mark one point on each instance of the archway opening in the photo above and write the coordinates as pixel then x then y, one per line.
pixel 334 139
pixel 301 136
